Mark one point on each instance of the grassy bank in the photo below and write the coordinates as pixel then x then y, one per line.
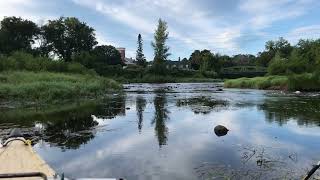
pixel 165 79
pixel 267 82
pixel 302 82
pixel 50 86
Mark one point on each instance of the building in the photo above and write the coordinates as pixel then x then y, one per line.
pixel 122 52
pixel 183 65
pixel 130 61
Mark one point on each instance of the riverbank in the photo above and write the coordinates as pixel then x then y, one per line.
pixel 52 87
pixel 301 82
pixel 166 79
pixel 268 82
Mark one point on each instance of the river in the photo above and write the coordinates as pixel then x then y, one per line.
pixel 166 131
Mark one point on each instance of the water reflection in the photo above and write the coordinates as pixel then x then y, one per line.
pixel 161 115
pixel 304 110
pixel 66 126
pixel 140 106
pixel 254 148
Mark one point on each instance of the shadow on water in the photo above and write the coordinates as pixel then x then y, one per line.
pixel 160 117
pixel 305 111
pixel 67 126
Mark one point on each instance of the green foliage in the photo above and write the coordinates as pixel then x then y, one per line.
pixel 304 82
pixel 281 47
pixel 205 61
pixel 45 86
pixel 106 55
pixel 68 36
pixel 161 50
pixel 85 58
pixel 269 82
pixel 278 65
pixel 17 34
pixel 141 60
pixel 195 59
pixel 24 61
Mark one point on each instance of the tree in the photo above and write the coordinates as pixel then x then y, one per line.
pixel 161 50
pixel 68 36
pixel 17 34
pixel 107 55
pixel 195 60
pixel 278 65
pixel 141 60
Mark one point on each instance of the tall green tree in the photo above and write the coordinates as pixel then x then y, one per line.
pixel 107 55
pixel 161 50
pixel 195 60
pixel 68 36
pixel 17 34
pixel 141 60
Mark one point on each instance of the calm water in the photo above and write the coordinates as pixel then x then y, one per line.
pixel 166 132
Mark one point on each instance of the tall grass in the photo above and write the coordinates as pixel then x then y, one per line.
pixel 268 82
pixel 48 86
pixel 304 82
pixel 27 62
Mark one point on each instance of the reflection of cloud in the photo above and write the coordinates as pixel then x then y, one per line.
pixel 307 131
pixel 191 142
pixel 118 147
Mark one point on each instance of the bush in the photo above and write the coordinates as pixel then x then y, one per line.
pixel 304 82
pixel 45 86
pixel 268 82
pixel 24 61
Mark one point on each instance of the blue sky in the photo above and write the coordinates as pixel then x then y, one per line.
pixel 224 26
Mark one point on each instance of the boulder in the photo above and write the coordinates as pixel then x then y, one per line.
pixel 220 130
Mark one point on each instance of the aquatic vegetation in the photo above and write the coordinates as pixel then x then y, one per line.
pixel 202 104
pixel 257 163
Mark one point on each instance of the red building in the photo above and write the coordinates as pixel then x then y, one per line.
pixel 122 52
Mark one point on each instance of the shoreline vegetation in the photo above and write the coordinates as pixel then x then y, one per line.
pixel 65 64
pixel 43 87
pixel 294 82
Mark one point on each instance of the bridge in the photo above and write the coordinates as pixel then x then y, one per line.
pixel 243 71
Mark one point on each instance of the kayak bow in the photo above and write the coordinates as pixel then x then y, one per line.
pixel 18 159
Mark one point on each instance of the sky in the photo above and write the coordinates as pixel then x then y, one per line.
pixel 222 26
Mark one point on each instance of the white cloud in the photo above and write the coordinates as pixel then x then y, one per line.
pixel 265 12
pixel 306 32
pixel 192 25
pixel 23 8
pixel 142 16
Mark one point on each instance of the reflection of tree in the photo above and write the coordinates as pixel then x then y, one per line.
pixel 160 118
pixel 304 110
pixel 68 125
pixel 140 106
pixel 202 104
pixel 70 129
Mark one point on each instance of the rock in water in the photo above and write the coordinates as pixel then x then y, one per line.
pixel 220 130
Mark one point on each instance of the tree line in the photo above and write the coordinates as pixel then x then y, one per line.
pixel 67 39
pixel 70 40
pixel 279 57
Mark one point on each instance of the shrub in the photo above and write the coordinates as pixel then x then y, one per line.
pixel 45 86
pixel 268 82
pixel 304 82
pixel 24 61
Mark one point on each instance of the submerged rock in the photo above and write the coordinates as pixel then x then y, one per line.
pixel 220 130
